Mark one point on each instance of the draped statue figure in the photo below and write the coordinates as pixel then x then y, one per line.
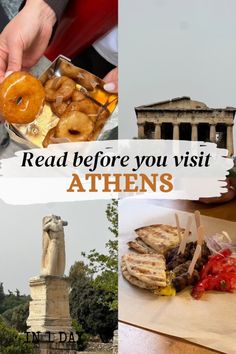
pixel 53 258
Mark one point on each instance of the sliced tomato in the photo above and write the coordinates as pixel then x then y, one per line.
pixel 218 274
pixel 214 263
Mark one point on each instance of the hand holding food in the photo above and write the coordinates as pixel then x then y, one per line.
pixel 58 108
pixel 21 43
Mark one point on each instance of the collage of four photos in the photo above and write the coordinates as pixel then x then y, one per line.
pixel 122 274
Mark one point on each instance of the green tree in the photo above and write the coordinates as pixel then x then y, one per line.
pixel 14 308
pixel 16 317
pixel 77 271
pixel 104 267
pixel 90 311
pixel 10 301
pixel 11 342
pixel 94 292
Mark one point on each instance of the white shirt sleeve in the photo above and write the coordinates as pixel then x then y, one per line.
pixel 107 46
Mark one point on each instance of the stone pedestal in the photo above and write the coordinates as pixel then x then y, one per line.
pixel 49 316
pixel 53 344
pixel 49 308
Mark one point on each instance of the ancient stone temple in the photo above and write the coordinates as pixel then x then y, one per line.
pixel 184 119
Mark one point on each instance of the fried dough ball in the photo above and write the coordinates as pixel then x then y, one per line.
pixel 59 108
pixel 77 96
pixel 83 77
pixel 59 88
pixel 85 106
pixel 48 138
pixel 21 98
pixel 74 126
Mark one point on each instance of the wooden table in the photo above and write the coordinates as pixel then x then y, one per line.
pixel 225 211
pixel 134 340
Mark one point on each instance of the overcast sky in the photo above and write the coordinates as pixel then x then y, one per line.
pixel 21 237
pixel 171 48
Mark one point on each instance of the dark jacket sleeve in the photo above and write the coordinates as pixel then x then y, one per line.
pixel 58 7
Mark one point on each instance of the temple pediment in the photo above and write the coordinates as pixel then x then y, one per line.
pixel 182 103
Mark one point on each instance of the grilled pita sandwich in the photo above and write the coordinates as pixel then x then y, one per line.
pixel 132 280
pixel 144 270
pixel 139 246
pixel 159 237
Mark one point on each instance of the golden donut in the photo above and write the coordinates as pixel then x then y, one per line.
pixel 59 88
pixel 85 106
pixel 59 108
pixel 21 98
pixel 83 77
pixel 75 126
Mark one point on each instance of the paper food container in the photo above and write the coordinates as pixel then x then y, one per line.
pixel 33 134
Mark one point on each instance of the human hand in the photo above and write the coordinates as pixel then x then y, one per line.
pixel 111 81
pixel 24 40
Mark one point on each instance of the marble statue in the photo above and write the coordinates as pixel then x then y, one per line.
pixel 53 258
pixel 49 309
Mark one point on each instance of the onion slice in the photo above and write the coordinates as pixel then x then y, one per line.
pixel 220 241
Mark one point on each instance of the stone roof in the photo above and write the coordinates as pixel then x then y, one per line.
pixel 180 103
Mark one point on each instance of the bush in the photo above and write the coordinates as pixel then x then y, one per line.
pixel 17 316
pixel 87 306
pixel 11 342
pixel 83 337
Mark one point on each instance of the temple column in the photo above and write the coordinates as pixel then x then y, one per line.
pixel 141 130
pixel 175 131
pixel 212 133
pixel 157 133
pixel 230 140
pixel 194 136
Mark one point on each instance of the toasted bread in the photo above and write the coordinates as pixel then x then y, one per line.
pixel 159 237
pixel 149 269
pixel 139 246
